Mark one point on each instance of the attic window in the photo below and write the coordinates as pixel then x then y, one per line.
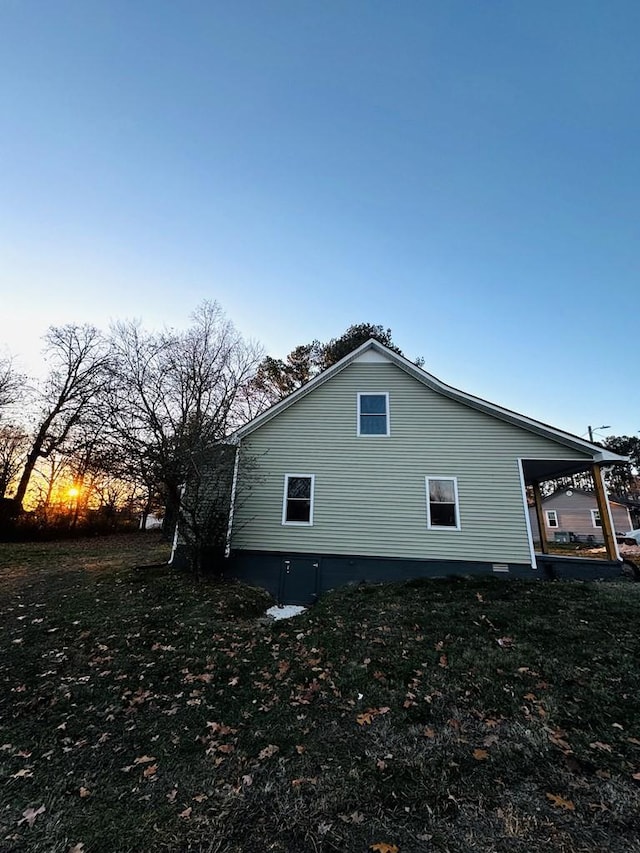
pixel 373 414
pixel 552 518
pixel 297 505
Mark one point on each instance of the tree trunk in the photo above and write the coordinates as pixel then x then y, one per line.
pixel 32 458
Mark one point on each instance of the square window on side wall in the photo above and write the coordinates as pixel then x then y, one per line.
pixel 442 503
pixel 297 504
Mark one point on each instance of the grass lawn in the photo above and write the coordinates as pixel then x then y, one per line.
pixel 140 711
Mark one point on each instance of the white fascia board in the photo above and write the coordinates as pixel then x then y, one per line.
pixel 597 453
pixel 371 347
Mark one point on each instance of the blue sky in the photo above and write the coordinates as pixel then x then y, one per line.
pixel 466 173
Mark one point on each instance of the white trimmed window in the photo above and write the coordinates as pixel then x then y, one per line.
pixel 552 518
pixel 596 521
pixel 373 413
pixel 297 504
pixel 442 503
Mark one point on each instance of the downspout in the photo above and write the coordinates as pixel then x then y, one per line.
pixel 174 546
pixel 232 503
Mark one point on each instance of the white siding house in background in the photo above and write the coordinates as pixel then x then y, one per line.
pixel 376 470
pixel 574 513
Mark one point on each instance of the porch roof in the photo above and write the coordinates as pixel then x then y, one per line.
pixel 539 470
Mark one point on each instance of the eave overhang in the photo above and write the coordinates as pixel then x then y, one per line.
pixel 595 454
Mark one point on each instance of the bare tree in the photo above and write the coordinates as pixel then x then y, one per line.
pixel 78 359
pixel 46 479
pixel 14 445
pixel 219 482
pixel 174 394
pixel 11 384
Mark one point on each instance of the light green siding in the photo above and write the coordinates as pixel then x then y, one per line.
pixel 370 491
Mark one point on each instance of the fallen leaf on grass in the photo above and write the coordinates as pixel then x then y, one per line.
pixel 30 815
pixel 429 732
pixel 172 795
pixel 268 751
pixel 480 754
pixel 77 848
pixel 144 759
pixel 186 813
pixel 221 729
pixel 151 770
pixel 604 747
pixel 636 776
pixel 560 802
pixel 84 792
pixel 21 774
pixel 558 740
pixel 383 847
pixel 366 718
pixel 354 817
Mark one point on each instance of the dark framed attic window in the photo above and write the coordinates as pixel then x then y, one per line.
pixel 297 504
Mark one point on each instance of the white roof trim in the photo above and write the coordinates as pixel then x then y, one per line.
pixel 598 454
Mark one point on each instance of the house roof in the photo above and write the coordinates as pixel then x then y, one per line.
pixel 570 490
pixel 375 348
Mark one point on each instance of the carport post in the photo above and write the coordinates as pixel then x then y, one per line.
pixel 537 496
pixel 605 515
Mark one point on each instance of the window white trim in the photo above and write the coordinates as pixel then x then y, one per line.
pixel 595 513
pixel 285 499
pixel 384 394
pixel 552 518
pixel 453 480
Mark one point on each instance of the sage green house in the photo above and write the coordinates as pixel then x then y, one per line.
pixel 376 470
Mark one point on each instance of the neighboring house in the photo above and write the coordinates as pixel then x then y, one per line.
pixel 150 522
pixel 573 515
pixel 375 470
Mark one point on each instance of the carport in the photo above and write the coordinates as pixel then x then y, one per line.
pixel 537 471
